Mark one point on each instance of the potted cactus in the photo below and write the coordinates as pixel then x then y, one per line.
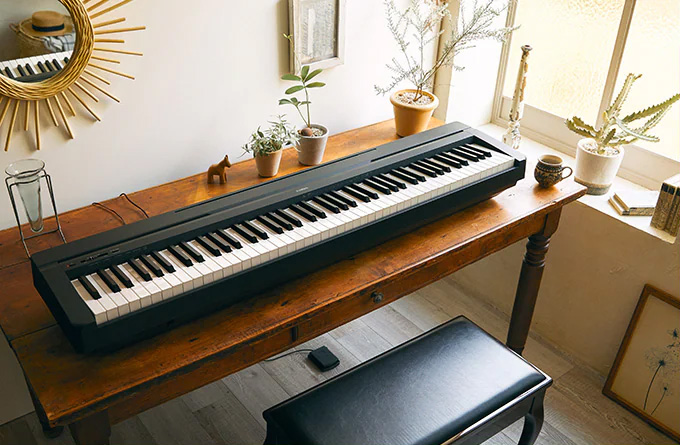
pixel 413 107
pixel 313 137
pixel 600 153
pixel 266 146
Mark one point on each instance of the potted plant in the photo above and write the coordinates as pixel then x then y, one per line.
pixel 313 137
pixel 266 146
pixel 413 107
pixel 599 154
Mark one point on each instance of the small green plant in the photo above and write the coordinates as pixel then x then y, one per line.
pixel 303 79
pixel 421 20
pixel 615 130
pixel 273 139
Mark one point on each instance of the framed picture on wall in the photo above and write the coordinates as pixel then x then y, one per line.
pixel 318 31
pixel 645 377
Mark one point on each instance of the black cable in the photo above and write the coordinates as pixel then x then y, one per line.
pixel 287 354
pixel 124 195
pixel 110 210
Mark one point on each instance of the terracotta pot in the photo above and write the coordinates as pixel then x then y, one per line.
pixel 311 148
pixel 412 119
pixel 268 165
pixel 595 171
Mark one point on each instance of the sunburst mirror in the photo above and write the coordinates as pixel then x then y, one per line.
pixel 49 84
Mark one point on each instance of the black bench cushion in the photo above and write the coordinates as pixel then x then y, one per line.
pixel 422 392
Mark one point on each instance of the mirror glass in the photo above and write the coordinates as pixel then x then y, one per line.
pixel 37 38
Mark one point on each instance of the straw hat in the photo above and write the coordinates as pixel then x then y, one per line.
pixel 47 23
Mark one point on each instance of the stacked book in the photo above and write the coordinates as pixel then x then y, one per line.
pixel 634 202
pixel 667 212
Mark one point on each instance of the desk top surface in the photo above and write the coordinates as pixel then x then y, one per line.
pixel 66 382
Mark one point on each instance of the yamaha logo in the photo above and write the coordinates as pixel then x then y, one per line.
pixel 301 190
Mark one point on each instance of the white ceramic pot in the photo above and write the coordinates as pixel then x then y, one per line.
pixel 595 171
pixel 311 148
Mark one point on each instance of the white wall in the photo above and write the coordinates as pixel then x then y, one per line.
pixel 209 76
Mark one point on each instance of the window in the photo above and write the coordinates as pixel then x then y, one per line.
pixel 581 53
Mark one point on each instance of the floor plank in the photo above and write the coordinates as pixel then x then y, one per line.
pixel 229 411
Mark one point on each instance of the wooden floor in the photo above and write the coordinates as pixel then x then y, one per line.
pixel 229 411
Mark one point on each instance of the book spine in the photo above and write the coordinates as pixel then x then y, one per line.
pixel 662 206
pixel 674 215
pixel 623 205
pixel 620 210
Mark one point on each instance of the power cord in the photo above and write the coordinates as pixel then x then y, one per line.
pixel 116 214
pixel 287 354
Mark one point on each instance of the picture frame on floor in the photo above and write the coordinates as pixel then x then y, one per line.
pixel 317 28
pixel 645 377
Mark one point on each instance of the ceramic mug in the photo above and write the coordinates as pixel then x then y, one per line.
pixel 549 170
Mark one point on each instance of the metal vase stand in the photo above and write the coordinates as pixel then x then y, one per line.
pixel 14 182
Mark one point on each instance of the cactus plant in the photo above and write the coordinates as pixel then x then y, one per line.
pixel 615 130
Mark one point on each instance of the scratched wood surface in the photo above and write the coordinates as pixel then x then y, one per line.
pixel 70 386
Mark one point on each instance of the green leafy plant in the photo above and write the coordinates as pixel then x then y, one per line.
pixel 421 20
pixel 273 139
pixel 302 79
pixel 615 130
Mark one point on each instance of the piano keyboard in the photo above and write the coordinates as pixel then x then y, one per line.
pixel 164 274
pixel 134 281
pixel 36 68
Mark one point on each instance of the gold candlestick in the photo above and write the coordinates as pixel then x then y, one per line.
pixel 512 136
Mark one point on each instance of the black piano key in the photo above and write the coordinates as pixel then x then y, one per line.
pixel 464 155
pixel 193 253
pixel 10 75
pixel 326 205
pixel 268 224
pixel 288 217
pixel 21 70
pixel 423 170
pixel 336 202
pixel 392 187
pixel 180 255
pixel 29 69
pixel 371 194
pixel 56 64
pixel 41 67
pixel 439 164
pixel 485 153
pixel 219 242
pixel 236 244
pixel 358 195
pixel 137 266
pixel 404 176
pixel 467 150
pixel 257 231
pixel 245 234
pixel 121 276
pixel 151 265
pixel 346 200
pixel 108 280
pixel 399 184
pixel 376 186
pixel 65 60
pixel 432 166
pixel 49 65
pixel 94 293
pixel 303 213
pixel 165 264
pixel 447 160
pixel 280 221
pixel 313 210
pixel 209 246
pixel 456 158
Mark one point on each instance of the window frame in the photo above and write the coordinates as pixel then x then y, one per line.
pixel 639 165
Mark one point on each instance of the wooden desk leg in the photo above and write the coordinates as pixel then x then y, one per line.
pixel 92 430
pixel 529 283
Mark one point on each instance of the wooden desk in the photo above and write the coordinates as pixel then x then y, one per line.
pixel 91 392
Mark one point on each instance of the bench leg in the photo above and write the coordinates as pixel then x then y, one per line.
pixel 92 430
pixel 533 421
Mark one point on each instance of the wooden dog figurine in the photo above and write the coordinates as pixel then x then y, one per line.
pixel 219 170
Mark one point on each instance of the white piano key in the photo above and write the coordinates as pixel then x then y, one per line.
pixel 155 293
pixel 179 273
pixel 121 303
pixel 137 287
pixel 105 300
pixel 95 307
pixel 128 294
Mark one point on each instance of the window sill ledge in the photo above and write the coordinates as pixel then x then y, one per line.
pixel 533 150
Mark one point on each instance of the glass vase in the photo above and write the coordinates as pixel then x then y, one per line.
pixel 26 174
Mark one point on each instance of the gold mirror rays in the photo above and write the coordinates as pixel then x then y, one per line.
pixel 81 79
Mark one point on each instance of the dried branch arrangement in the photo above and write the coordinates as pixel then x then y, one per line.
pixel 615 130
pixel 81 79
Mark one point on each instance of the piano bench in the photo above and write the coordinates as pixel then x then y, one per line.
pixel 453 384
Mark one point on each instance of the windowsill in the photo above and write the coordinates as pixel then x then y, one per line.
pixel 534 149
